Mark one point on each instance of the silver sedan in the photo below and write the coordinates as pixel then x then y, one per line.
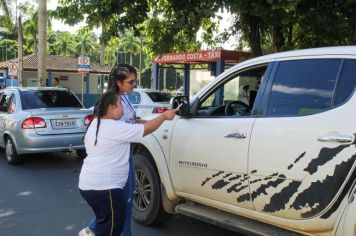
pixel 35 120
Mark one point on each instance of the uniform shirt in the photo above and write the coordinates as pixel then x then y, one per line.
pixel 129 115
pixel 107 163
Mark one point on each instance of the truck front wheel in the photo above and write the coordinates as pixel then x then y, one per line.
pixel 147 202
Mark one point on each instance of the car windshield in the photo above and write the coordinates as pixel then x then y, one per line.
pixel 160 97
pixel 48 99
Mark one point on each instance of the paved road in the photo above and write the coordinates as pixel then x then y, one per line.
pixel 40 198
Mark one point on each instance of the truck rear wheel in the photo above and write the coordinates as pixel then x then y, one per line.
pixel 147 201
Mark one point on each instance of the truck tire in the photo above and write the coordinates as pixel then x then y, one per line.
pixel 147 201
pixel 11 154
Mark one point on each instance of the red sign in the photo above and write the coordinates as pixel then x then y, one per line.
pixel 200 56
pixel 83 64
pixel 12 69
pixel 83 61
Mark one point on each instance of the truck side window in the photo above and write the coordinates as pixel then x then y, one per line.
pixel 347 82
pixel 235 97
pixel 303 87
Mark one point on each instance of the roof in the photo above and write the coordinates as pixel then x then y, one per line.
pixel 57 63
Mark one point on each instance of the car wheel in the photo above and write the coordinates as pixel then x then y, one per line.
pixel 81 154
pixel 147 201
pixel 11 154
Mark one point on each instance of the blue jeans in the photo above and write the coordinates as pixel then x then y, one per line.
pixel 129 189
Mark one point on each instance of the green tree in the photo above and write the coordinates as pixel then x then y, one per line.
pixel 5 19
pixel 325 23
pixel 84 41
pixel 173 24
pixel 284 25
pixel 112 51
pixel 65 44
pixel 30 29
pixel 51 42
pixel 8 49
pixel 112 16
pixel 130 44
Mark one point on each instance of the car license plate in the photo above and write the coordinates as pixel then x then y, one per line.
pixel 64 123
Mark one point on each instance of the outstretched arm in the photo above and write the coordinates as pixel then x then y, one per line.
pixel 152 125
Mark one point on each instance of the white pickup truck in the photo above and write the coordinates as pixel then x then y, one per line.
pixel 267 148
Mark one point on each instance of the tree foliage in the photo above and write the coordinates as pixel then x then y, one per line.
pixel 5 18
pixel 8 49
pixel 173 24
pixel 113 16
pixel 278 25
pixel 30 28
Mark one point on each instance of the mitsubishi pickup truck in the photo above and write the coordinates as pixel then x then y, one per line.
pixel 266 148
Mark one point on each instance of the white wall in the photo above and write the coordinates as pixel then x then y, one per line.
pixel 29 78
pixel 198 79
pixel 74 81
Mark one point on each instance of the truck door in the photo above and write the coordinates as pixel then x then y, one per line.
pixel 208 154
pixel 302 151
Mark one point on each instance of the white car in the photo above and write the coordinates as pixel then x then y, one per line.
pixel 266 148
pixel 147 101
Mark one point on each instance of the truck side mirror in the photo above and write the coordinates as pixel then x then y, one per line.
pixel 183 103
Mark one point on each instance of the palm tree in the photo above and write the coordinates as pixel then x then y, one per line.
pixel 64 44
pixel 30 28
pixel 85 41
pixel 42 40
pixel 51 42
pixel 6 18
pixel 111 51
pixel 131 44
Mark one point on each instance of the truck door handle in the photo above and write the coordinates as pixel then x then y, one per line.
pixel 336 138
pixel 235 135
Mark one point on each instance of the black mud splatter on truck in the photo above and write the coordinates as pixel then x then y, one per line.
pixel 309 197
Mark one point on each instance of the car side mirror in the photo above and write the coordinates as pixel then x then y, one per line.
pixel 183 103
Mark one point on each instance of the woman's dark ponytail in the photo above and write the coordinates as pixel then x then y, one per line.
pixel 107 99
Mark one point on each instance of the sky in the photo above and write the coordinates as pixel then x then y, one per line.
pixel 57 24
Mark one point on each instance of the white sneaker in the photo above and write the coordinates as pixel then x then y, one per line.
pixel 86 232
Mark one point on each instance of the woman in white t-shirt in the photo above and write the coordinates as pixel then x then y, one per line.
pixel 105 169
pixel 123 80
